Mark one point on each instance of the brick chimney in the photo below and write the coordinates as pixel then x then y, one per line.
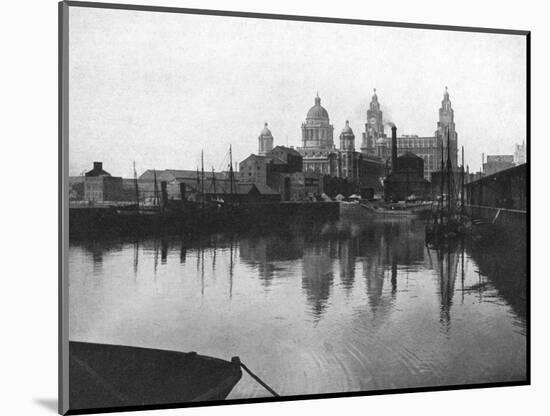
pixel 393 148
pixel 98 165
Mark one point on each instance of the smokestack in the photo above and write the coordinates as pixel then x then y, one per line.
pixel 393 148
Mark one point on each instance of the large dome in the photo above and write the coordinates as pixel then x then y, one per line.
pixel 317 112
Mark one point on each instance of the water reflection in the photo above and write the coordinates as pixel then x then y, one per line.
pixel 383 253
pixel 318 275
pixel 447 260
pixel 369 304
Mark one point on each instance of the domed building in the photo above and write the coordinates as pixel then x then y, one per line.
pixel 347 138
pixel 317 131
pixel 265 141
pixel 320 156
pixel 318 151
pixel 348 158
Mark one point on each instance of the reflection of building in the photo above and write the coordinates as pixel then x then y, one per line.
pixel 346 256
pixel 318 277
pixel 263 253
pixel 447 267
pixel 496 163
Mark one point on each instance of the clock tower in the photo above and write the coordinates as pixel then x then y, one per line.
pixel 374 127
pixel 446 126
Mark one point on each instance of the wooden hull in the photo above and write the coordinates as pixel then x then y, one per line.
pixel 102 375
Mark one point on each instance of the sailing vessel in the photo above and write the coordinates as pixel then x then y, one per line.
pixel 448 219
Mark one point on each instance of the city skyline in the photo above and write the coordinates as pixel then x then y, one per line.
pixel 141 98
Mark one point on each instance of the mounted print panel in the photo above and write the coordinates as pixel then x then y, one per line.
pixel 264 207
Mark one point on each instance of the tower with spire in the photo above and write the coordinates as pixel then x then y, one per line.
pixel 446 126
pixel 374 127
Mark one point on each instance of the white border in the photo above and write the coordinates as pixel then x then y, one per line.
pixel 29 204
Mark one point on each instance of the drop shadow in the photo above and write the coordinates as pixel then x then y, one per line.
pixel 49 404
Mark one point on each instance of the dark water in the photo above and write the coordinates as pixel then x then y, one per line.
pixel 334 308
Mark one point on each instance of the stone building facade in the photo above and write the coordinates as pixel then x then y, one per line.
pixel 430 148
pixel 374 130
pixel 100 186
pixel 318 151
pixel 265 141
pixel 321 156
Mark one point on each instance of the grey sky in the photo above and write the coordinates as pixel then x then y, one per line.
pixel 158 87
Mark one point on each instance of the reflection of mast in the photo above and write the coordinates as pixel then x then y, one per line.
pixel 163 250
pixel 448 265
pixel 136 256
pixel 231 268
pixel 214 258
pixel 393 277
pixel 183 252
pixel 202 271
pixel 156 262
pixel 199 257
pixel 462 263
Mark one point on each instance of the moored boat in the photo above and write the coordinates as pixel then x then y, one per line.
pixel 448 220
pixel 115 376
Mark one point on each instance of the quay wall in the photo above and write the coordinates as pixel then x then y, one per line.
pixel 104 221
pixel 512 221
pixel 505 189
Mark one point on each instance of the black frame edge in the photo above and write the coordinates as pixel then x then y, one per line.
pixel 211 12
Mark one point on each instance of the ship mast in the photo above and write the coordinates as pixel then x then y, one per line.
pixel 450 187
pixel 156 189
pixel 136 184
pixel 462 183
pixel 230 171
pixel 214 182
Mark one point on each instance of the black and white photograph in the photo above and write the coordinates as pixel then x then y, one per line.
pixel 270 207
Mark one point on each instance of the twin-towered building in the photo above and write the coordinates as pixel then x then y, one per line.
pixel 320 154
pixel 431 149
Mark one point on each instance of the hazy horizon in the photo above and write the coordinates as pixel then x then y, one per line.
pixel 158 88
